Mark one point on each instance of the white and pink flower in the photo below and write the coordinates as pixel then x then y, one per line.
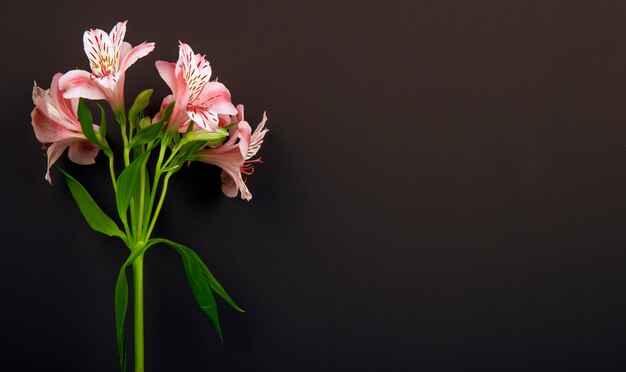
pixel 235 156
pixel 56 126
pixel 109 58
pixel 196 97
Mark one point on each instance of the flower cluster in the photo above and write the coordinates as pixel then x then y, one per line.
pixel 196 122
pixel 199 106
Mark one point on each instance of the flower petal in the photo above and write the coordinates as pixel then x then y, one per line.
pixel 229 187
pixel 216 97
pixel 230 161
pixel 52 106
pixel 78 83
pixel 206 119
pixel 63 107
pixel 244 132
pixel 194 69
pixel 83 152
pixel 116 36
pixel 130 55
pixel 167 70
pixel 256 139
pixel 240 111
pixel 99 51
pixel 47 130
pixel 54 152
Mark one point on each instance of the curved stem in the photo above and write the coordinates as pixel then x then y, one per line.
pixel 138 313
pixel 121 119
pixel 112 170
pixel 158 170
pixel 166 180
pixel 171 157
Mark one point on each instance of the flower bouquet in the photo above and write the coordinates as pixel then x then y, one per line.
pixel 197 122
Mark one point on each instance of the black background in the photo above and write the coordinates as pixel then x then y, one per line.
pixel 442 190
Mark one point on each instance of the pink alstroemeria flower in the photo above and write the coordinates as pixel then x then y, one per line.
pixel 109 58
pixel 56 126
pixel 196 97
pixel 235 156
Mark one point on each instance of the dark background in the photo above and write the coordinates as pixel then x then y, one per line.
pixel 443 189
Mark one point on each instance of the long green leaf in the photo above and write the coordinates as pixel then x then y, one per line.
pixel 103 123
pixel 127 184
pixel 167 112
pixel 121 305
pixel 96 218
pixel 215 285
pixel 86 122
pixel 202 282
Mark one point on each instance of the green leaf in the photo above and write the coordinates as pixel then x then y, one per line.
pixel 96 218
pixel 103 123
pixel 202 283
pixel 121 303
pixel 86 122
pixel 167 112
pixel 190 126
pixel 127 184
pixel 141 102
pixel 169 134
pixel 146 135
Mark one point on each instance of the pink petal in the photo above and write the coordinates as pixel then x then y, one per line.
pixel 216 97
pixel 47 130
pixel 68 117
pixel 116 36
pixel 256 139
pixel 229 187
pixel 194 69
pixel 240 111
pixel 206 119
pixel 98 48
pixel 168 74
pixel 244 132
pixel 54 152
pixel 78 83
pixel 83 152
pixel 51 104
pixel 130 55
pixel 230 161
pixel 179 118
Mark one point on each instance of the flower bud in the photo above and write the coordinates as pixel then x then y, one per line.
pixel 210 138
pixel 141 102
pixel 144 122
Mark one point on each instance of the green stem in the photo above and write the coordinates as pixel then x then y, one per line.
pixel 142 186
pixel 155 182
pixel 166 180
pixel 142 200
pixel 138 313
pixel 121 119
pixel 171 157
pixel 112 170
